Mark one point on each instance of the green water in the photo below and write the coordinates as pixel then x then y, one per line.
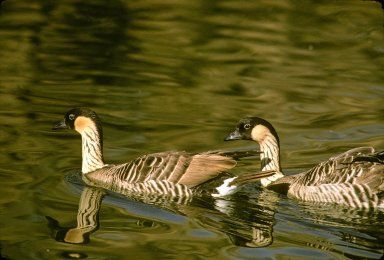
pixel 177 75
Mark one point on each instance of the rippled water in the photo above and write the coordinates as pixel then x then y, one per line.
pixel 177 75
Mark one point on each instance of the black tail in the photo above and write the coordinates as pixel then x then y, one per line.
pixel 251 177
pixel 238 154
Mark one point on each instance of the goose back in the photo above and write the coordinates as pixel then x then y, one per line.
pixel 342 168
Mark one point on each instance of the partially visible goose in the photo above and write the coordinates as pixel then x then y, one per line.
pixel 175 174
pixel 354 178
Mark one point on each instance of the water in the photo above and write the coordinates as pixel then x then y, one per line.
pixel 177 75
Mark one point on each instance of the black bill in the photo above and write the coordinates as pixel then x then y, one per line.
pixel 235 135
pixel 60 125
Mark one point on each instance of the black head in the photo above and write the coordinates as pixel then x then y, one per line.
pixel 78 118
pixel 69 235
pixel 252 128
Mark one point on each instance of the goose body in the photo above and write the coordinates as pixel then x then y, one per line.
pixel 172 173
pixel 354 178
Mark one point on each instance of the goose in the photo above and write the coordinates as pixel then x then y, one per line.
pixel 354 178
pixel 172 173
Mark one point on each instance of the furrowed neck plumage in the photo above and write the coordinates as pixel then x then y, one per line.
pixel 270 153
pixel 270 156
pixel 92 147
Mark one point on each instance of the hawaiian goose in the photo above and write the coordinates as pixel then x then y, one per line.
pixel 174 174
pixel 354 178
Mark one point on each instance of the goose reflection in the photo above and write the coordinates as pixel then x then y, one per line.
pixel 245 225
pixel 247 218
pixel 87 218
pixel 360 227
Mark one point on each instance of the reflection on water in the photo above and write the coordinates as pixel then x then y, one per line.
pixel 247 222
pixel 87 218
pixel 369 227
pixel 253 229
pixel 177 76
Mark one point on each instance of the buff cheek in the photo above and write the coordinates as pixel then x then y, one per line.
pixel 259 132
pixel 81 123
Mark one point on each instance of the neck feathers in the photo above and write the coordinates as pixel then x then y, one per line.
pixel 270 158
pixel 92 148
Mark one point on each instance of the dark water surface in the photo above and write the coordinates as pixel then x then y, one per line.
pixel 177 75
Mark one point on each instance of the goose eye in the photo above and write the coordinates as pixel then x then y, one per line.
pixel 247 126
pixel 71 116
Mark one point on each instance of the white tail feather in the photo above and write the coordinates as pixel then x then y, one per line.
pixel 225 189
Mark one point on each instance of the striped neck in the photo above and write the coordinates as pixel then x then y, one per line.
pixel 270 158
pixel 92 149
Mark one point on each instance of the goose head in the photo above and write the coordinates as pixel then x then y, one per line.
pixel 87 123
pixel 261 131
pixel 80 119
pixel 253 128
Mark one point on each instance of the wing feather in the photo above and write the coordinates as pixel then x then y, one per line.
pixel 342 168
pixel 204 167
